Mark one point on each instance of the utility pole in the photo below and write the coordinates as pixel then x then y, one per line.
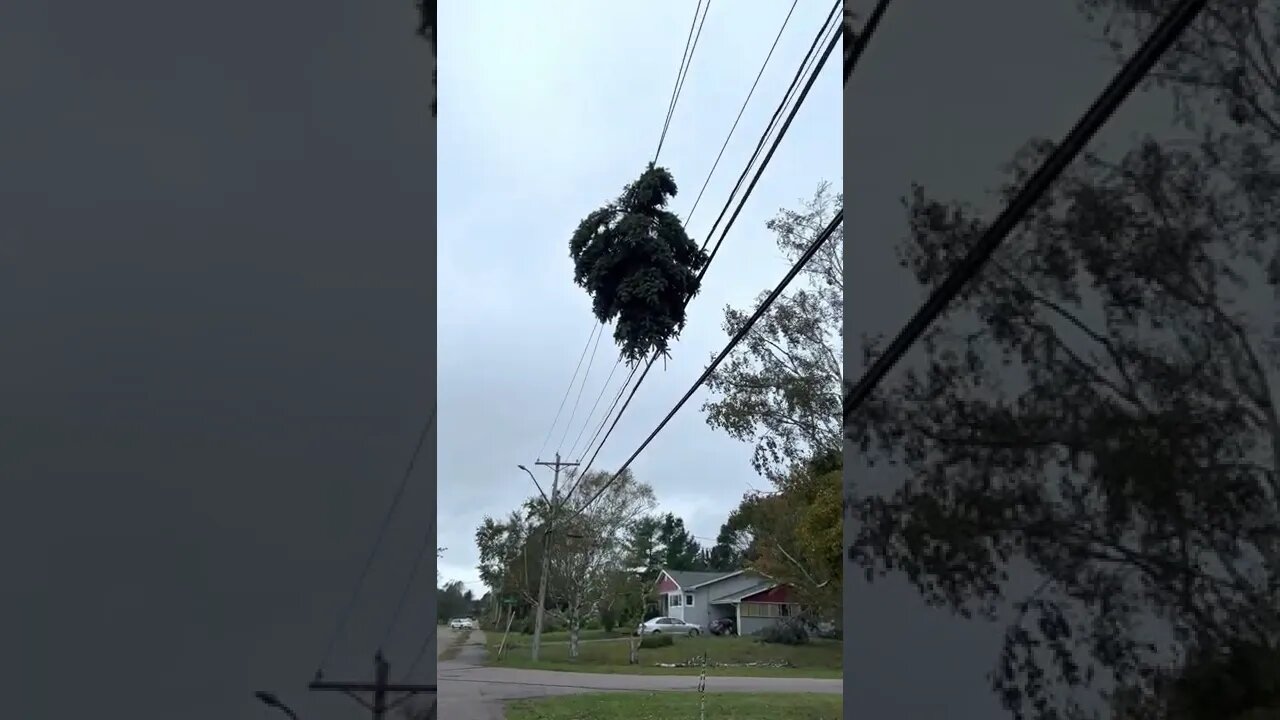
pixel 546 551
pixel 379 687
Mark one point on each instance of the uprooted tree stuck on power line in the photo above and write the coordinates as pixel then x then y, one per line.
pixel 638 264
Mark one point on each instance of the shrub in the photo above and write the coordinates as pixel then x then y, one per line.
pixel 650 642
pixel 608 619
pixel 785 634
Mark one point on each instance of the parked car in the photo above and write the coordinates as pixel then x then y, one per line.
pixel 462 623
pixel 723 626
pixel 668 626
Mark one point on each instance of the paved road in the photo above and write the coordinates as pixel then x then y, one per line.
pixel 470 690
pixel 444 638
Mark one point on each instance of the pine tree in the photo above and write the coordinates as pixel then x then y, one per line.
pixel 639 266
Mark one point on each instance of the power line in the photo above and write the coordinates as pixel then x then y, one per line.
pixel 583 386
pixel 863 38
pixel 782 131
pixel 686 60
pixel 1124 82
pixel 345 615
pixel 697 200
pixel 813 76
pixel 592 412
pixel 809 252
pixel 616 418
pixel 741 110
pixel 801 70
pixel 422 653
pixel 554 421
pixel 605 420
pixel 428 540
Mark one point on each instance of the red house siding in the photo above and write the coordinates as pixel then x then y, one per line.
pixel 780 594
pixel 667 585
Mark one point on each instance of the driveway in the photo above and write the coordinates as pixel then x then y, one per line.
pixel 468 689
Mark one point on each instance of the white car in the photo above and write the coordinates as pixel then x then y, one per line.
pixel 668 626
pixel 462 624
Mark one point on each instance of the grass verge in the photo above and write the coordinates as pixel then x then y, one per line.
pixel 728 656
pixel 667 705
pixel 560 636
pixel 455 647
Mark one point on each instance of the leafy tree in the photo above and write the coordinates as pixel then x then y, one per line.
pixel 781 389
pixel 735 546
pixel 680 551
pixel 1236 681
pixel 452 600
pixel 588 549
pixel 796 535
pixel 500 544
pixel 1099 404
pixel 644 552
pixel 653 543
pixel 638 265
pixel 427 30
pixel 657 542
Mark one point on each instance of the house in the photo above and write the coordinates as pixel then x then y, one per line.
pixel 752 601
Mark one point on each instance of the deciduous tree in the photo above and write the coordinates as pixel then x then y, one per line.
pixel 796 534
pixel 500 544
pixel 1100 404
pixel 780 390
pixel 588 547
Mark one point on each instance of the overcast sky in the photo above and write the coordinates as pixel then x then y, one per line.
pixel 945 95
pixel 216 320
pixel 546 112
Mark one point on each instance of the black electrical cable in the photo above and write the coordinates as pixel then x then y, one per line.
pixel 345 615
pixel 738 337
pixel 862 39
pixel 596 328
pixel 1125 81
pixel 428 541
pixel 834 40
pixel 577 400
pixel 592 412
pixel 685 62
pixel 741 110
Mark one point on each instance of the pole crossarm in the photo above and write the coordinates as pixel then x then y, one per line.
pixel 379 687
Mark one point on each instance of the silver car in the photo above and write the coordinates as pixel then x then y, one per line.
pixel 668 626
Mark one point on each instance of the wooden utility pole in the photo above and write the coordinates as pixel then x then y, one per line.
pixel 380 688
pixel 546 552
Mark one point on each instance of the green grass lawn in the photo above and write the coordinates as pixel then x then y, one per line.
pixel 667 705
pixel 818 658
pixel 563 635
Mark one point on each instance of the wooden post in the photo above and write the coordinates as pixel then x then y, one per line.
pixel 503 645
pixel 702 689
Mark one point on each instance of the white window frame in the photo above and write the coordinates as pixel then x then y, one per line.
pixel 688 600
pixel 675 600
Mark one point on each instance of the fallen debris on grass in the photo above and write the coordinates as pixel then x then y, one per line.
pixel 697 662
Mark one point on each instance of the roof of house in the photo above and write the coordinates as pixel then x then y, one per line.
pixel 688 579
pixel 748 592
